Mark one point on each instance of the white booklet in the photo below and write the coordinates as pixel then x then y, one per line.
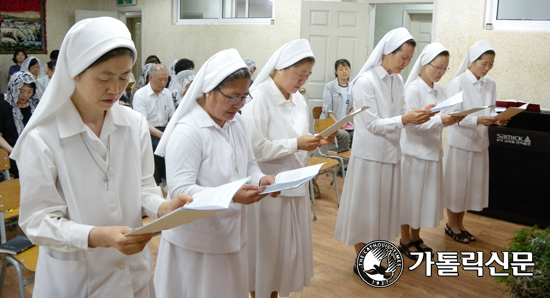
pixel 334 127
pixel 470 111
pixel 448 103
pixel 207 202
pixel 293 178
pixel 511 112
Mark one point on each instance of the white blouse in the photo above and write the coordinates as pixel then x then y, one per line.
pixel 376 135
pixel 63 196
pixel 423 141
pixel 467 134
pixel 275 124
pixel 156 109
pixel 201 154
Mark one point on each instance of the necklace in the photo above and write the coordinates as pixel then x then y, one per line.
pixel 105 173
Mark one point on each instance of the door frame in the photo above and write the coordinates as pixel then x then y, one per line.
pixel 407 16
pixel 372 17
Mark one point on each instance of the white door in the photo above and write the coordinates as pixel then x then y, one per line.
pixel 335 30
pixel 420 27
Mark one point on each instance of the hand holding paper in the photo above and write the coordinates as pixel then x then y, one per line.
pixel 511 112
pixel 449 103
pixel 334 128
pixel 292 179
pixel 470 111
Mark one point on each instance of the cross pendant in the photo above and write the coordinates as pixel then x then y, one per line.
pixel 106 180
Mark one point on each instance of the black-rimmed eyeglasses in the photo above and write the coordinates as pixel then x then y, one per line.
pixel 440 69
pixel 237 100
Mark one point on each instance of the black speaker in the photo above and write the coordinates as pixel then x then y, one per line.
pixel 519 162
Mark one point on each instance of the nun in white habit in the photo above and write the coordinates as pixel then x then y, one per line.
pixel 421 163
pixel 369 209
pixel 206 145
pixel 86 169
pixel 280 250
pixel 466 162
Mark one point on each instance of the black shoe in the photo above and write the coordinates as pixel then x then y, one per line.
pixel 462 238
pixel 468 235
pixel 404 249
pixel 420 248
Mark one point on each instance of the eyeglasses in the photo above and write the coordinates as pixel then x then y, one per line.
pixel 440 69
pixel 237 100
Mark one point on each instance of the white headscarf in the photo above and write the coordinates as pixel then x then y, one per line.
pixel 428 55
pixel 284 57
pixel 25 65
pixel 250 63
pixel 183 78
pixel 473 54
pixel 17 81
pixel 172 73
pixel 211 74
pixel 85 42
pixel 389 43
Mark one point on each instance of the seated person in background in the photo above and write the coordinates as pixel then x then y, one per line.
pixel 16 111
pixel 182 82
pixel 54 54
pixel 155 102
pixel 336 102
pixel 184 64
pixel 34 66
pixel 152 59
pixel 18 57
pixel 43 82
pixel 181 65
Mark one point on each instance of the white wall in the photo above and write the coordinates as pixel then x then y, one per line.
pixel 522 57
pixel 390 16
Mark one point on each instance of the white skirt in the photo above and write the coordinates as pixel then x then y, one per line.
pixel 466 180
pixel 280 250
pixel 421 196
pixel 369 209
pixel 190 274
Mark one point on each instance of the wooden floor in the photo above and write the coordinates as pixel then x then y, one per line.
pixel 333 260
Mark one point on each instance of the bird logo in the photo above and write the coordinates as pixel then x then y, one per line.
pixel 380 263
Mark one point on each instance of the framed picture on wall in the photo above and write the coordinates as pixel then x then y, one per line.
pixel 23 26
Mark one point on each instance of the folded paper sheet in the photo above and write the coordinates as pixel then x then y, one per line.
pixel 334 127
pixel 511 112
pixel 470 111
pixel 449 103
pixel 207 202
pixel 293 178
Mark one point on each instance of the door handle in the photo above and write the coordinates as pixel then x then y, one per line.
pixel 302 90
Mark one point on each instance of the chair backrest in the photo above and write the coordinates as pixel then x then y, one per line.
pixel 323 124
pixel 10 191
pixel 4 160
pixel 317 111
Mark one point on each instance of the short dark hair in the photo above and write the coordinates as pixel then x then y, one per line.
pixel 51 64
pixel 339 62
pixel 309 59
pixel 489 52
pixel 33 62
pixel 444 54
pixel 16 52
pixel 183 64
pixel 110 54
pixel 410 42
pixel 242 73
pixel 151 58
pixel 54 54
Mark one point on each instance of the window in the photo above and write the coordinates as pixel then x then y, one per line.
pixel 518 14
pixel 223 12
